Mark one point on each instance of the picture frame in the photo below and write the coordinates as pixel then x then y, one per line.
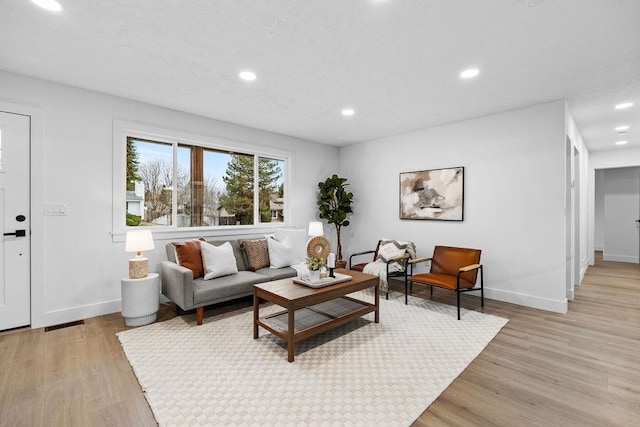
pixel 432 194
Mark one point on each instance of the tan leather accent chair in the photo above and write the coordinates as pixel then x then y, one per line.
pixel 452 268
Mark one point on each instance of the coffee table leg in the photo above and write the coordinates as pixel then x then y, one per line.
pixel 291 334
pixel 256 309
pixel 377 303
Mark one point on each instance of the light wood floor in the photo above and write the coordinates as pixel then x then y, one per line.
pixel 542 369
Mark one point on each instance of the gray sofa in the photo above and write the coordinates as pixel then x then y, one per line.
pixel 179 286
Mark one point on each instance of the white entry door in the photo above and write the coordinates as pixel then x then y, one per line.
pixel 15 295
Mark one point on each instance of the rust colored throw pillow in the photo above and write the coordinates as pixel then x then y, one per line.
pixel 257 252
pixel 188 255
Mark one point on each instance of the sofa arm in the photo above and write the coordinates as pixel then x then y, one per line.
pixel 177 284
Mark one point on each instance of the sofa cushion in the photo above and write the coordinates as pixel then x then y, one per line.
pixel 277 273
pixel 217 260
pixel 297 241
pixel 188 255
pixel 257 252
pixel 225 287
pixel 281 254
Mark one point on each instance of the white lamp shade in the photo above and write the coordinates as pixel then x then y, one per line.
pixel 315 229
pixel 138 241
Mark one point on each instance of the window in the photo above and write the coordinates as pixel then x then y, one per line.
pixel 172 184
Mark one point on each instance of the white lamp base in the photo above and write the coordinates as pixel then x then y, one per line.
pixel 138 268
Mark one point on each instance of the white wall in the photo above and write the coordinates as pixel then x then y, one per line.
pixel 621 210
pixel 76 265
pixel 625 157
pixel 514 197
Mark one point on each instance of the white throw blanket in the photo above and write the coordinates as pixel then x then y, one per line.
pixel 388 250
pixel 301 268
pixel 379 268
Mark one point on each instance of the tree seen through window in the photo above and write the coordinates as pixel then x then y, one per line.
pixel 213 187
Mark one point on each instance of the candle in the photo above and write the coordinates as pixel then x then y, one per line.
pixel 331 260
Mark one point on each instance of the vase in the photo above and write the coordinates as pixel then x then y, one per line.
pixel 314 275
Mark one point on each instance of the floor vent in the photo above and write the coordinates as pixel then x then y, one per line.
pixel 63 325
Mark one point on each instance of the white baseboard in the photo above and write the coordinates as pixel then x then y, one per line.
pixel 72 314
pixel 620 258
pixel 556 306
pixel 583 269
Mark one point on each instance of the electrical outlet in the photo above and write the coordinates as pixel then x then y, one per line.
pixel 55 209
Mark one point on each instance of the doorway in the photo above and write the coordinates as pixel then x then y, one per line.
pixel 617 211
pixel 15 247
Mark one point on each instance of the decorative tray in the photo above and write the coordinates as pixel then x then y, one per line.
pixel 325 281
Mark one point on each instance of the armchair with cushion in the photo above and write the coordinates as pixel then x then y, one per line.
pixel 389 259
pixel 452 268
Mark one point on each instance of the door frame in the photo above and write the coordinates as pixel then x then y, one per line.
pixel 605 160
pixel 36 208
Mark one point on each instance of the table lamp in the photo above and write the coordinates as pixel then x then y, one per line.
pixel 315 229
pixel 138 241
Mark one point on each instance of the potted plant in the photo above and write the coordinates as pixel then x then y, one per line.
pixel 314 264
pixel 334 203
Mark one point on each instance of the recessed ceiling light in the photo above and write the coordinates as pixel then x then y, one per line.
pixel 51 5
pixel 248 76
pixel 624 105
pixel 621 142
pixel 348 112
pixel 469 73
pixel 622 128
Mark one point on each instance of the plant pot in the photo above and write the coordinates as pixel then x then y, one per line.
pixel 341 263
pixel 314 275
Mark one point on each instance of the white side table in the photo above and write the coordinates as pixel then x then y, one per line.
pixel 140 299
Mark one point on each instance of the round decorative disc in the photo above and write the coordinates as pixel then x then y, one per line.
pixel 318 246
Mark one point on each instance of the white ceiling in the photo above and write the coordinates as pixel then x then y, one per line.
pixel 396 62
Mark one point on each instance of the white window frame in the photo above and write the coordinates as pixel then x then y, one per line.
pixel 124 129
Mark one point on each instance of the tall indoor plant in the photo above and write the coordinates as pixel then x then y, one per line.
pixel 334 203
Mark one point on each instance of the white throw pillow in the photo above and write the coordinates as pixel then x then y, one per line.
pixel 389 251
pixel 297 241
pixel 218 260
pixel 281 254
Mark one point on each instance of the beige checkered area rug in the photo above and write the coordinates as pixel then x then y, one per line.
pixel 361 373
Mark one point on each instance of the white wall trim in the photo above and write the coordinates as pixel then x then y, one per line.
pixel 583 269
pixel 555 306
pixel 620 258
pixel 71 314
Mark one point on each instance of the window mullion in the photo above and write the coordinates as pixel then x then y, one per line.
pixel 197 185
pixel 174 187
pixel 256 190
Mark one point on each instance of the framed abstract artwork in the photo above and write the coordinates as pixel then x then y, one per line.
pixel 436 194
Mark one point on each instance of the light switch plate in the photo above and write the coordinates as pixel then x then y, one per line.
pixel 55 209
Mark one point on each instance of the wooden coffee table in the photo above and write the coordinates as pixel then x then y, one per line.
pixel 310 311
